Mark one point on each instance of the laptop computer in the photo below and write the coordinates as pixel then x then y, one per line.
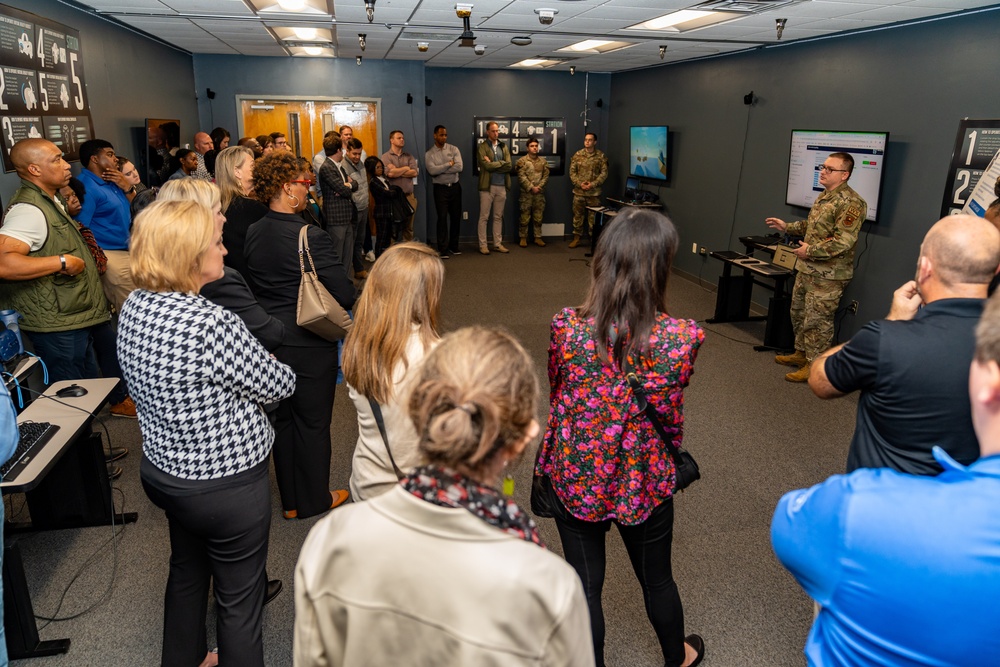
pixel 784 256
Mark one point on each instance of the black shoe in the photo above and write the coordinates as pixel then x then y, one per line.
pixel 114 472
pixel 115 453
pixel 455 252
pixel 698 644
pixel 274 587
pixel 444 254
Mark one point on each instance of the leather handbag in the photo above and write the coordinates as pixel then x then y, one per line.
pixel 317 310
pixel 686 468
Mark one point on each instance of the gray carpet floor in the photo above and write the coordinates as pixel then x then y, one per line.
pixel 755 437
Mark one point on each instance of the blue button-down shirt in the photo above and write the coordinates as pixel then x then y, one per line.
pixel 106 211
pixel 906 568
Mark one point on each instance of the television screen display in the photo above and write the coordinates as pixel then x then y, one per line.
pixel 648 154
pixel 809 148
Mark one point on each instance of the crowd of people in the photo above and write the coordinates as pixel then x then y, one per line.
pixel 204 274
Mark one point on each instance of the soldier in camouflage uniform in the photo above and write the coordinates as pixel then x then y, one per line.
pixel 532 174
pixel 826 262
pixel 588 169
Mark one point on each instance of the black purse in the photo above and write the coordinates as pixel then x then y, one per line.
pixel 542 503
pixel 684 464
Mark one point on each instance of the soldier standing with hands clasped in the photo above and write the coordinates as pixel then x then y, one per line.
pixel 587 171
pixel 533 174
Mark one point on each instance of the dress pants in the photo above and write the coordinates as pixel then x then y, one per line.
pixel 219 532
pixel 343 240
pixel 302 439
pixel 69 355
pixel 117 280
pixel 648 545
pixel 492 199
pixel 360 234
pixel 448 203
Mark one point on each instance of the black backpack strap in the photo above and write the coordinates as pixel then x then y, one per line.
pixel 377 411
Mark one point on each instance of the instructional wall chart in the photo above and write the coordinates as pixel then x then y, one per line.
pixel 42 85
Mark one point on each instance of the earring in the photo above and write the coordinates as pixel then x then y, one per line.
pixel 291 196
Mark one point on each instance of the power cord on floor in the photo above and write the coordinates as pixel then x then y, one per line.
pixel 719 333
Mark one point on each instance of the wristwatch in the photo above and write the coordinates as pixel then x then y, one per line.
pixel 62 260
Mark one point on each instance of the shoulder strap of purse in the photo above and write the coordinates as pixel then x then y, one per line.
pixel 304 250
pixel 647 407
pixel 377 411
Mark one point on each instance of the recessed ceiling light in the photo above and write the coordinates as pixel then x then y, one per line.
pixel 313 50
pixel 536 62
pixel 596 46
pixel 686 19
pixel 292 5
pixel 520 40
pixel 305 33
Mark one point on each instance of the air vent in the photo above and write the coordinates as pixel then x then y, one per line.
pixel 744 6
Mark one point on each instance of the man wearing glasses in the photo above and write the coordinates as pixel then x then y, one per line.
pixel 826 262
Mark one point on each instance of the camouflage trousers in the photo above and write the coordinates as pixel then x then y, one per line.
pixel 532 206
pixel 814 304
pixel 580 204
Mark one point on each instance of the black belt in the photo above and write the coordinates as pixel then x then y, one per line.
pixel 447 185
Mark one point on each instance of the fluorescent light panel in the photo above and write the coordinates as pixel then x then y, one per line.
pixel 684 20
pixel 596 46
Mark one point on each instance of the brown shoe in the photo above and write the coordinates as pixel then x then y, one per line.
pixel 540 243
pixel 523 243
pixel 801 375
pixel 360 275
pixel 798 359
pixel 575 242
pixel 124 409
pixel 483 250
pixel 499 248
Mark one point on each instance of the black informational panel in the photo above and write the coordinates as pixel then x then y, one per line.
pixel 42 88
pixel 515 132
pixel 976 144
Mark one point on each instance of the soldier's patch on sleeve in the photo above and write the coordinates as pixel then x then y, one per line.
pixel 852 216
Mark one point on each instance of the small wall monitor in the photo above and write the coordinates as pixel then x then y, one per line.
pixel 809 148
pixel 648 152
pixel 632 186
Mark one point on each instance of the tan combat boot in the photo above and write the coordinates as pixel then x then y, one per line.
pixel 524 242
pixel 798 359
pixel 801 375
pixel 539 242
pixel 575 242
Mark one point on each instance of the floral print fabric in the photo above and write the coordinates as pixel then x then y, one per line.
pixel 603 455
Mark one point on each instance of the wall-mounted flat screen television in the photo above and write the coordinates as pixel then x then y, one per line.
pixel 809 148
pixel 648 152
pixel 163 137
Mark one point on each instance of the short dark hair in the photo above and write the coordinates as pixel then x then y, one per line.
pixel 274 136
pixel 592 134
pixel 354 143
pixel 331 144
pixel 342 127
pixel 531 140
pixel 89 149
pixel 394 133
pixel 183 153
pixel 439 127
pixel 847 160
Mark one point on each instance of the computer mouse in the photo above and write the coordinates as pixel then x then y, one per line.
pixel 72 391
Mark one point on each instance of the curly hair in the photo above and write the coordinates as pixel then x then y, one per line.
pixel 271 172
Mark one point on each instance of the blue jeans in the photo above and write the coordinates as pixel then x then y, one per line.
pixel 69 355
pixel 648 545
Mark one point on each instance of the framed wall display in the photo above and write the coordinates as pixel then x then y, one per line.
pixel 42 88
pixel 977 143
pixel 515 132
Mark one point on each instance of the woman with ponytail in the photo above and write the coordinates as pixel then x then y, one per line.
pixel 443 569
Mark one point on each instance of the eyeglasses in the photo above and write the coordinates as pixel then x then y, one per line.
pixel 829 169
pixel 305 181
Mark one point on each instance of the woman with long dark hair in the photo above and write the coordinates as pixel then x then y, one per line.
pixel 604 457
pixel 379 189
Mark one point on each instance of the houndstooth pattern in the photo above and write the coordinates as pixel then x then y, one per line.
pixel 198 378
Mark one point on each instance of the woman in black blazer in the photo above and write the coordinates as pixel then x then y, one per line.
pixel 302 441
pixel 380 193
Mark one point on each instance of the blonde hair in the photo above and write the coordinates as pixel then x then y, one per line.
pixel 225 173
pixel 168 243
pixel 191 189
pixel 474 397
pixel 403 290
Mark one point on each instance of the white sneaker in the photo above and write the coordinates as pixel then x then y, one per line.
pixel 370 257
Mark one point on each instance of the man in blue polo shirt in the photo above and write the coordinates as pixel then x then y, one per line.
pixel 913 367
pixel 106 212
pixel 906 567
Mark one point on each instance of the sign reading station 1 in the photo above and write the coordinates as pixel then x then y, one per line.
pixel 43 93
pixel 515 132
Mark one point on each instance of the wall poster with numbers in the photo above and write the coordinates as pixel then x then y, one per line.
pixel 974 159
pixel 515 132
pixel 42 89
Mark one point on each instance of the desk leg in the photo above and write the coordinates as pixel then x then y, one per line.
pixel 19 614
pixel 732 301
pixel 598 227
pixel 778 334
pixel 76 492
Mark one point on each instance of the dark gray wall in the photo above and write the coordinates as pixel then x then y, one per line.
pixel 461 94
pixel 129 78
pixel 915 82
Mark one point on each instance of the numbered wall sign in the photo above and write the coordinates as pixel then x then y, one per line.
pixel 42 89
pixel 515 132
pixel 977 143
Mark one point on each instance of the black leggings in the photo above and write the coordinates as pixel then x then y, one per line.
pixel 648 546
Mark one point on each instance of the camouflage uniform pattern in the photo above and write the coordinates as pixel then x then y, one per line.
pixel 831 230
pixel 585 167
pixel 532 172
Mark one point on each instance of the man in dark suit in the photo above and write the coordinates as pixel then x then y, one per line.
pixel 338 204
